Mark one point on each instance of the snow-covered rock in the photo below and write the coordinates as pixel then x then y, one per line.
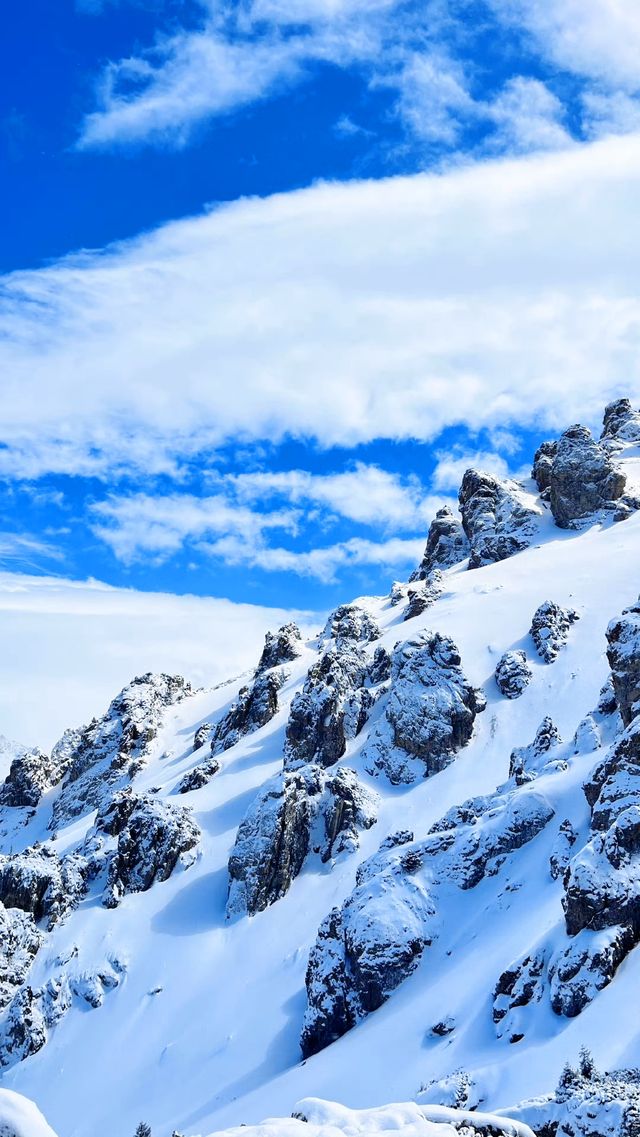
pixel 255 706
pixel 280 647
pixel 353 623
pixel 527 762
pixel 153 837
pixel 332 707
pixel 621 422
pixel 583 478
pixel 513 674
pixel 499 517
pixel 447 544
pixel 299 813
pixel 429 712
pixel 38 881
pixel 542 463
pixel 550 628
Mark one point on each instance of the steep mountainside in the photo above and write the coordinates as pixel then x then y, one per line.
pixel 399 862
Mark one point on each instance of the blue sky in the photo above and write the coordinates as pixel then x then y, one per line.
pixel 274 273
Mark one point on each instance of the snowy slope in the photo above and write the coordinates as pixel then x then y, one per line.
pixel 198 1028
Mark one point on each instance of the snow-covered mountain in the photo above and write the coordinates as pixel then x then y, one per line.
pixel 399 862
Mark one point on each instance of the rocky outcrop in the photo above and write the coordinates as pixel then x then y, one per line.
pixel 621 422
pixel 199 776
pixel 153 837
pixel 280 647
pixel 332 707
pixel 255 706
pixel 542 463
pixel 104 756
pixel 31 774
pixel 423 595
pixel 623 653
pixel 23 1030
pixel 352 623
pixel 40 883
pixel 584 479
pixel 518 987
pixel 20 940
pixel 528 762
pixel 447 544
pixel 370 945
pixel 513 674
pixel 550 629
pixel 498 516
pixel 586 966
pixel 309 811
pixel 202 736
pixel 429 713
pixel 561 852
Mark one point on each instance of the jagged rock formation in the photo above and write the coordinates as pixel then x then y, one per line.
pixel 623 653
pixel 332 707
pixel 498 516
pixel 280 647
pixel 583 478
pixel 365 949
pixel 513 674
pixel 153 836
pixel 30 775
pixel 102 757
pixel 353 623
pixel 542 463
pixel 429 713
pixel 550 629
pixel 447 544
pixel 199 776
pixel 20 940
pixel 202 736
pixel 40 883
pixel 423 594
pixel 527 762
pixel 256 705
pixel 621 422
pixel 307 811
pixel 561 852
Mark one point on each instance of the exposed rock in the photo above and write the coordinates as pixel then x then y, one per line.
pixel 199 776
pixel 542 463
pixel 518 987
pixel 103 756
pixel 550 629
pixel 423 595
pixel 255 706
pixel 499 517
pixel 513 674
pixel 626 506
pixel 307 811
pixel 607 704
pixel 584 479
pixel 586 1103
pixel 30 775
pixel 332 708
pixel 623 653
pixel 430 710
pixel 578 972
pixel 153 836
pixel 20 940
pixel 447 544
pixel 351 622
pixel 280 647
pixel 202 736
pixel 602 883
pixel 587 737
pixel 527 762
pixel 621 422
pixel 23 1030
pixel 561 852
pixel 39 882
pixel 368 947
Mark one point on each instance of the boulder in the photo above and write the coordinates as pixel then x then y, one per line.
pixel 584 479
pixel 332 707
pixel 447 544
pixel 550 629
pixel 499 517
pixel 513 674
pixel 353 623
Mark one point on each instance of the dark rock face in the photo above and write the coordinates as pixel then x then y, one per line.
pixel 365 949
pixel 526 762
pixel 353 623
pixel 23 1031
pixel 423 595
pixel 447 544
pixel 199 776
pixel 332 707
pixel 104 756
pixel 498 519
pixel 578 972
pixel 30 775
pixel 583 478
pixel 550 629
pixel 40 883
pixel 307 811
pixel 542 463
pixel 255 707
pixel 430 711
pixel 202 736
pixel 517 987
pixel 623 653
pixel 621 422
pixel 513 674
pixel 153 836
pixel 280 647
pixel 561 851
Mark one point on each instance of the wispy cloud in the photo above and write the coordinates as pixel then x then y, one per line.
pixel 503 293
pixel 26 552
pixel 321 563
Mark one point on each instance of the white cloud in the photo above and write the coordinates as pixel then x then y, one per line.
pixel 319 563
pixel 451 467
pixel 527 116
pixel 503 293
pixel 610 113
pixel 26 551
pixel 69 647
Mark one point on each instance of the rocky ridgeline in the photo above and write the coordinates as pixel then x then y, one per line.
pixel 498 516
